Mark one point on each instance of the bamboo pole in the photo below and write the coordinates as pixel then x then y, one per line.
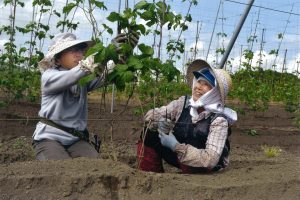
pixel 113 85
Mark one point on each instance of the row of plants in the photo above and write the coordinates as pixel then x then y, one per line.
pixel 257 87
pixel 142 74
pixel 18 65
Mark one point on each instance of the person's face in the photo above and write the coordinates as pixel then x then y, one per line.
pixel 70 57
pixel 200 88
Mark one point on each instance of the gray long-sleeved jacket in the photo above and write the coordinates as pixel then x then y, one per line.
pixel 64 101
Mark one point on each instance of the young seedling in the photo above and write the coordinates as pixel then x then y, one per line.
pixel 272 151
pixel 19 143
pixel 252 132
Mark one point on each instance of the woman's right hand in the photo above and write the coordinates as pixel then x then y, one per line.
pixel 88 65
pixel 165 125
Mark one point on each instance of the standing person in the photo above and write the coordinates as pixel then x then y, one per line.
pixel 62 131
pixel 190 133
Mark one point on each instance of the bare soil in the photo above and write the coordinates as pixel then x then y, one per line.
pixel 251 174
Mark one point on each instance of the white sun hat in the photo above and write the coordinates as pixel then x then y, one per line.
pixel 224 82
pixel 59 43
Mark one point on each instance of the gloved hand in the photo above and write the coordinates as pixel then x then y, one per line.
pixel 168 140
pixel 110 66
pixel 122 38
pixel 133 38
pixel 165 125
pixel 88 65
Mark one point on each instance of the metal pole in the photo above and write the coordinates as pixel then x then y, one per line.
pixel 236 33
pixel 197 32
pixel 212 34
pixel 261 47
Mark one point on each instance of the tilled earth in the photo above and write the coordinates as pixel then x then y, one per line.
pixel 251 174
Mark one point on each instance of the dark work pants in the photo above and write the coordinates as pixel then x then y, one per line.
pixel 54 150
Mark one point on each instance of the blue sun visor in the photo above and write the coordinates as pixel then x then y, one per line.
pixel 206 74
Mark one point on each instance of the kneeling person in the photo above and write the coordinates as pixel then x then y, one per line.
pixel 191 133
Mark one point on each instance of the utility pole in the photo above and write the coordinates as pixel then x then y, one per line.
pixel 213 32
pixel 216 52
pixel 197 38
pixel 183 59
pixel 261 47
pixel 236 34
pixel 283 66
pixel 241 57
pixel 284 62
pixel 254 35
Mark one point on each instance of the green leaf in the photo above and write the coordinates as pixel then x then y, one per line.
pixel 147 15
pixel 146 49
pixel 100 5
pixel 109 30
pixel 184 27
pixel 113 16
pixel 132 61
pixel 56 13
pixel 141 5
pixel 23 49
pixel 111 53
pixel 121 67
pixel 128 76
pixel 45 27
pixel 7 2
pixel 69 7
pixel 21 3
pixel 96 48
pixel 156 32
pixel 141 28
pixel 127 13
pixel 161 5
pixel 126 48
pixel 120 84
pixel 188 18
pixel 85 80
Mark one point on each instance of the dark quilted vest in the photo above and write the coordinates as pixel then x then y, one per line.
pixel 196 134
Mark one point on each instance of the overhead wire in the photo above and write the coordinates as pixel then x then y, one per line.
pixel 266 8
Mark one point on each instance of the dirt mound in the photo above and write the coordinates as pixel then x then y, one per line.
pixel 254 173
pixel 106 179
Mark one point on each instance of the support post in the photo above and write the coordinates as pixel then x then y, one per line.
pixel 236 33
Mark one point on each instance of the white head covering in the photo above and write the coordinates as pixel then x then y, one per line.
pixel 213 100
pixel 59 43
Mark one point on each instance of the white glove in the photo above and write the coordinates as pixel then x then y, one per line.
pixel 169 140
pixel 110 66
pixel 89 66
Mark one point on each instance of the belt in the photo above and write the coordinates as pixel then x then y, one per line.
pixel 84 135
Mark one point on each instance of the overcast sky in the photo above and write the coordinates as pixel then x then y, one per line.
pixel 271 15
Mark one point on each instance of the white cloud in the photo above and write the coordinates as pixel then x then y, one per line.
pixel 200 45
pixel 2 42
